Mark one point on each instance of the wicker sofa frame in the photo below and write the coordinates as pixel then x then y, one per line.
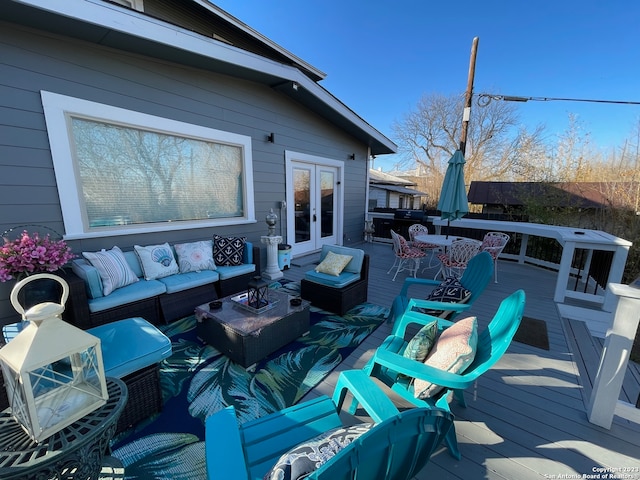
pixel 159 309
pixel 338 300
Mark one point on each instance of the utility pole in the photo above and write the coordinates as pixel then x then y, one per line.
pixel 468 96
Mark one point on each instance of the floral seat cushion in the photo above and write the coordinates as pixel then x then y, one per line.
pixel 407 251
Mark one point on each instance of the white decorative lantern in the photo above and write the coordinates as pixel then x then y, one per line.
pixel 53 371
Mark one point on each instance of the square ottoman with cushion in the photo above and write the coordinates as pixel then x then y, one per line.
pixel 132 350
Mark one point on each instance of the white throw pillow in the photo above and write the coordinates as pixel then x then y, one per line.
pixel 195 256
pixel 157 261
pixel 112 267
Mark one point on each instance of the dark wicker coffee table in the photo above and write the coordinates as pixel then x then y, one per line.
pixel 247 337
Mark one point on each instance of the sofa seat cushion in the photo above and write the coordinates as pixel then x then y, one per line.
pixel 185 281
pixel 130 345
pixel 342 280
pixel 131 293
pixel 234 271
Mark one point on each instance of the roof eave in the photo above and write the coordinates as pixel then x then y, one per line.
pixel 318 74
pixel 129 30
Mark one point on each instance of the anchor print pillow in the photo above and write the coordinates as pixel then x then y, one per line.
pixel 228 251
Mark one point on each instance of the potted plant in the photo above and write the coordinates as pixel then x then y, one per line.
pixel 32 253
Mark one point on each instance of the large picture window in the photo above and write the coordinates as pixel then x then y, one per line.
pixel 138 173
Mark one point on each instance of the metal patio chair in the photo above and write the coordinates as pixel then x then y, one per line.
pixel 494 243
pixel 406 256
pixel 419 229
pixel 455 260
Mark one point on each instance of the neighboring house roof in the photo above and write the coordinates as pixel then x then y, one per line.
pixel 398 189
pixel 559 194
pixel 255 57
pixel 419 171
pixel 384 181
pixel 378 177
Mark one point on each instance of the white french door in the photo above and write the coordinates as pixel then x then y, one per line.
pixel 314 202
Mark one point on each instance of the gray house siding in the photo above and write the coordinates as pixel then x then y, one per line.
pixel 34 60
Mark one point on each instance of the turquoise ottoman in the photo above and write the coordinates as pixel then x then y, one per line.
pixel 132 350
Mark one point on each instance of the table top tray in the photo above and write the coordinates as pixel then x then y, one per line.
pixel 241 300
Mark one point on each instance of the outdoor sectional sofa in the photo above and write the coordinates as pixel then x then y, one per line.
pixel 160 300
pixel 123 318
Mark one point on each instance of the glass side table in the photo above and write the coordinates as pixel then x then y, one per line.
pixel 77 452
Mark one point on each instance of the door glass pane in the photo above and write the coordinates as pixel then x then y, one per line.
pixel 302 196
pixel 326 203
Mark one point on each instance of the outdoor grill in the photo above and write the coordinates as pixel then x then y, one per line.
pixel 403 219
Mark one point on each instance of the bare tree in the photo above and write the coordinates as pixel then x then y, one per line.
pixel 497 148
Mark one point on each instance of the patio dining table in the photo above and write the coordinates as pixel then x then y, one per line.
pixel 443 241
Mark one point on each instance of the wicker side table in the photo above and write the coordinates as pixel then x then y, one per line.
pixel 76 452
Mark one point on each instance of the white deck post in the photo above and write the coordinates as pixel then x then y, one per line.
pixel 615 356
pixel 523 248
pixel 564 271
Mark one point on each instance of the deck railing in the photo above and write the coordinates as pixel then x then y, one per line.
pixel 586 260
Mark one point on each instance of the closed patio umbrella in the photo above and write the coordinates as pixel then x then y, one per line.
pixel 453 203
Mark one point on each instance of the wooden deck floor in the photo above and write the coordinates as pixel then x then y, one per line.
pixel 525 418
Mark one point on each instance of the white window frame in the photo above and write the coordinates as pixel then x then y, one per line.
pixel 58 110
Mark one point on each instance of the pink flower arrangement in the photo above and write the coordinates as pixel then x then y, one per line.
pixel 32 254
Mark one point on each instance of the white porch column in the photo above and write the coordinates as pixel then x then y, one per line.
pixel 272 272
pixel 615 356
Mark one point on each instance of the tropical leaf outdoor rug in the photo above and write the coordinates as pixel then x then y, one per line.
pixel 197 381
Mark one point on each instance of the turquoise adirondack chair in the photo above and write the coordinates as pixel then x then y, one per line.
pixel 395 371
pixel 476 277
pixel 397 447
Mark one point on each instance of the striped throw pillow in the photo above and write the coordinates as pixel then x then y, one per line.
pixel 113 268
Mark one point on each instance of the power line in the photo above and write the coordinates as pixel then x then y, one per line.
pixel 485 98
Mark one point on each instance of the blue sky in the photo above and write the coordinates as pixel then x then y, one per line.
pixel 380 57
